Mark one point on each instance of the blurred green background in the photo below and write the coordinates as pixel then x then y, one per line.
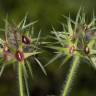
pixel 48 12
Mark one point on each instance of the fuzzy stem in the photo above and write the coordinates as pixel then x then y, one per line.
pixel 20 78
pixel 70 76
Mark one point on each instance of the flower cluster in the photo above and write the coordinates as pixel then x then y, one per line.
pixel 77 38
pixel 76 41
pixel 17 45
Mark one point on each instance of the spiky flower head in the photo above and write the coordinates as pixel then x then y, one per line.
pixel 18 45
pixel 76 41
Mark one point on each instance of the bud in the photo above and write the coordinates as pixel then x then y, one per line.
pixel 72 49
pixel 86 50
pixel 25 40
pixel 19 55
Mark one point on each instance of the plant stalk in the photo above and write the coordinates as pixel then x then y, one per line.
pixel 70 76
pixel 20 75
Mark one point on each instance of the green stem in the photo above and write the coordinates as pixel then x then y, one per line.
pixel 20 78
pixel 70 76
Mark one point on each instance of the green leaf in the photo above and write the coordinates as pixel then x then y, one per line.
pixel 29 68
pixel 64 61
pixel 70 30
pixel 59 49
pixel 58 38
pixel 37 40
pixel 91 44
pixel 28 25
pixel 92 23
pixel 2 69
pixel 30 54
pixel 93 61
pixel 53 59
pixel 92 52
pixel 24 22
pixel 39 63
pixel 25 70
pixel 77 19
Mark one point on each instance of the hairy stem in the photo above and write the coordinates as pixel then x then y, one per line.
pixel 70 76
pixel 20 70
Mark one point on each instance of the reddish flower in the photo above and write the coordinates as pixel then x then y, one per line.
pixel 19 55
pixel 25 40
